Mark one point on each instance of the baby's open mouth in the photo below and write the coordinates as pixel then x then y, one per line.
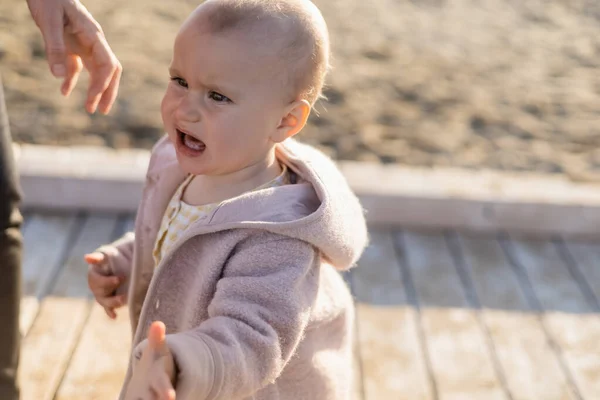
pixel 190 142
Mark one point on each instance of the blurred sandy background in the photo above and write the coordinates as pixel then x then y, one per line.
pixel 501 84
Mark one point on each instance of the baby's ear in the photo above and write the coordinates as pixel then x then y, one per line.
pixel 296 115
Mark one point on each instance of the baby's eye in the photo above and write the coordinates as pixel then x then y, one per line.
pixel 218 97
pixel 181 82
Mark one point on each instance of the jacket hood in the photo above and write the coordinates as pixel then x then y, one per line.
pixel 320 208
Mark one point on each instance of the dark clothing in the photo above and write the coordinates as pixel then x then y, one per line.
pixel 10 262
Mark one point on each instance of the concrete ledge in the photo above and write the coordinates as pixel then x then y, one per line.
pixel 480 201
pixel 81 177
pixel 111 180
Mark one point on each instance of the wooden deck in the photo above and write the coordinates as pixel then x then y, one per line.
pixel 440 315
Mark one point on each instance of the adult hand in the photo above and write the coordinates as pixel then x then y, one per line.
pixel 153 375
pixel 73 39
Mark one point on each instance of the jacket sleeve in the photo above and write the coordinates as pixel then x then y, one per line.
pixel 256 320
pixel 119 258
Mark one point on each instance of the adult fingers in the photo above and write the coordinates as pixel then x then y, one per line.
pixel 109 96
pixel 102 68
pixel 156 338
pixel 162 387
pixel 94 258
pixel 86 39
pixel 74 66
pixel 52 27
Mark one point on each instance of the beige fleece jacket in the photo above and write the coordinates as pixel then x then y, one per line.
pixel 251 295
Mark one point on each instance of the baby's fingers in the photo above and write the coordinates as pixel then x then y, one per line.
pixel 102 285
pixel 110 312
pixel 111 302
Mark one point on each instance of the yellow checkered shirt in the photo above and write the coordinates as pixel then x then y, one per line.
pixel 179 215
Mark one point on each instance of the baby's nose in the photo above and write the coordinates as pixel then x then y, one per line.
pixel 189 110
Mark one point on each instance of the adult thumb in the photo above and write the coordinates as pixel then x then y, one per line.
pixel 94 258
pixel 53 30
pixel 156 338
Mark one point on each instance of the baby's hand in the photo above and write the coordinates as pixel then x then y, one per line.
pixel 154 373
pixel 103 285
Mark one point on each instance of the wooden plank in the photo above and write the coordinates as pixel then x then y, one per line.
pixel 460 359
pixel 29 309
pixel 552 283
pixel 67 307
pixel 48 347
pixel 46 238
pixel 357 381
pixel 98 229
pixel 531 368
pixel 392 365
pixel 586 256
pixel 568 315
pixel 129 225
pixel 100 376
pixel 378 277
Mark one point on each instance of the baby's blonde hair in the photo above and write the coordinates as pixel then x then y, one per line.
pixel 296 26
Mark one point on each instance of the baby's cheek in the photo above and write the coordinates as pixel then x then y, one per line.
pixel 169 100
pixel 164 105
